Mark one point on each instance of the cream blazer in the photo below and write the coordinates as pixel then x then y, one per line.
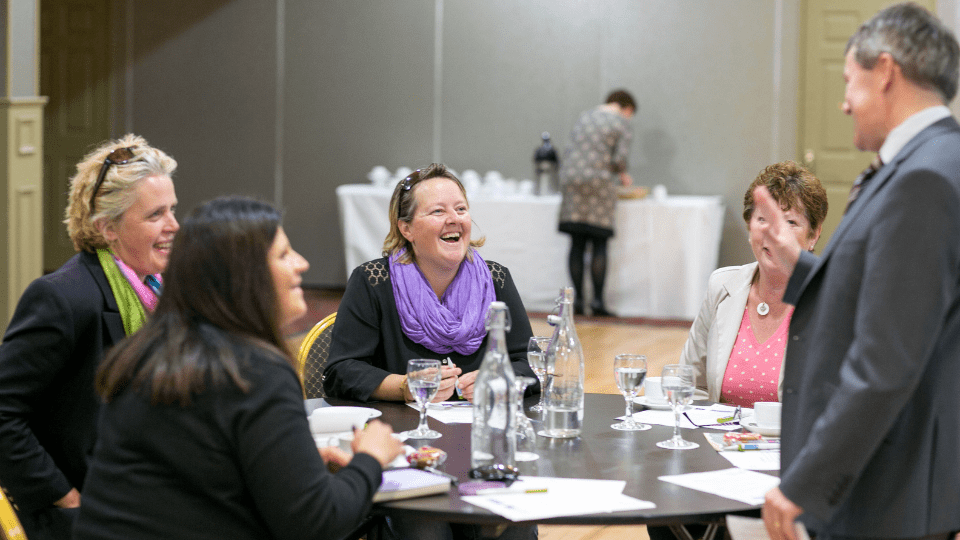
pixel 714 331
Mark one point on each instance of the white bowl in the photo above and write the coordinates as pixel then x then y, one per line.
pixel 338 419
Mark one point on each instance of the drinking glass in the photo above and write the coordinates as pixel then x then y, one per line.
pixel 526 436
pixel 677 381
pixel 629 370
pixel 537 356
pixel 423 378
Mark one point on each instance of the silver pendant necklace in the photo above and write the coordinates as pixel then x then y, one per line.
pixel 763 309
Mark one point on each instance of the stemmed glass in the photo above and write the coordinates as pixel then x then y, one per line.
pixel 423 378
pixel 526 436
pixel 537 356
pixel 629 370
pixel 677 381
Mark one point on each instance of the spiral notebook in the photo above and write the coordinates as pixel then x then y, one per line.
pixel 409 483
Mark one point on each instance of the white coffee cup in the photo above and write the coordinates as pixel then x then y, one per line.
pixel 767 414
pixel 653 391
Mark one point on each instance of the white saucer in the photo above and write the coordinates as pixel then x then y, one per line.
pixel 750 425
pixel 658 405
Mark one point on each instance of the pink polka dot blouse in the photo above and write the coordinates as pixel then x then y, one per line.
pixel 753 370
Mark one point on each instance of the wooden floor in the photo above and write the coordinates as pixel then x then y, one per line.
pixel 602 339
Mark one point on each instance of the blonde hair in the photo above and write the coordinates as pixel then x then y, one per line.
pixel 403 206
pixel 116 195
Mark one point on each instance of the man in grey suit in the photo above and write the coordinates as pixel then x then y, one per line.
pixel 871 402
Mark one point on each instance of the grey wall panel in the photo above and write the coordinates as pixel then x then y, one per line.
pixel 702 72
pixel 204 88
pixel 356 85
pixel 512 70
pixel 358 93
pixel 20 27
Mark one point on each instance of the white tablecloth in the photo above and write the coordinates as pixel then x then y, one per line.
pixel 658 264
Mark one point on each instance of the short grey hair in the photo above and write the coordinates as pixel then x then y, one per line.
pixel 919 43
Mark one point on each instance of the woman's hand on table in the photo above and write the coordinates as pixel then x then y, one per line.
pixel 334 455
pixel 377 440
pixel 466 385
pixel 448 382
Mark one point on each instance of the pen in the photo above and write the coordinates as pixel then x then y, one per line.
pixel 448 362
pixel 758 446
pixel 735 417
pixel 508 491
pixel 434 470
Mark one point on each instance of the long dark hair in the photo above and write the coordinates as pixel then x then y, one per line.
pixel 218 292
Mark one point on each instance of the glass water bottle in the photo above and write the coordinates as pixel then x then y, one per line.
pixel 563 416
pixel 492 436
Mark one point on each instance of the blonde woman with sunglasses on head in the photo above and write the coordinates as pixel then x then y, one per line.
pixel 120 217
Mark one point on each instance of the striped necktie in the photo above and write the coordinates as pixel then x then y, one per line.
pixel 861 180
pixel 153 284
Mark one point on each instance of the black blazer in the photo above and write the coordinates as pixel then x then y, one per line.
pixel 63 325
pixel 871 410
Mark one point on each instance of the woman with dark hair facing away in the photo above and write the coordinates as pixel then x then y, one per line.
pixel 594 162
pixel 204 432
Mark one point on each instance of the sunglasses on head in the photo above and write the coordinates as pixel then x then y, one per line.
pixel 410 179
pixel 120 156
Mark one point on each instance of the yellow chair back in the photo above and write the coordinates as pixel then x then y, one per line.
pixel 312 358
pixel 10 528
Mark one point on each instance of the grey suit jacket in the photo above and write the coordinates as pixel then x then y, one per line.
pixel 871 410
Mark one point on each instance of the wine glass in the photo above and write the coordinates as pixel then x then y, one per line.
pixel 423 378
pixel 537 356
pixel 677 381
pixel 629 370
pixel 526 436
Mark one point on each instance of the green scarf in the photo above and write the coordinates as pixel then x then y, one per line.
pixel 131 309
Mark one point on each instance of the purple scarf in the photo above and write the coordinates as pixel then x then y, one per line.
pixel 453 323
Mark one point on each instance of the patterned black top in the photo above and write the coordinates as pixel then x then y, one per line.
pixel 368 343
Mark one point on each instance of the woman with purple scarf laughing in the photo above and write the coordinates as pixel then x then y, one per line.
pixel 426 298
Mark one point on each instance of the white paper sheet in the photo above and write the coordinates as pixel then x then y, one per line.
pixel 564 497
pixel 747 528
pixel 449 414
pixel 754 460
pixel 738 484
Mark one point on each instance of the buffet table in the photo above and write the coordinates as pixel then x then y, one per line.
pixel 658 265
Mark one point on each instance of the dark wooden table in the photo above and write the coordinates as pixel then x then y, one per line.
pixel 599 453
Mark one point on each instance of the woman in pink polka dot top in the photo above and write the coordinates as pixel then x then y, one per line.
pixel 738 339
